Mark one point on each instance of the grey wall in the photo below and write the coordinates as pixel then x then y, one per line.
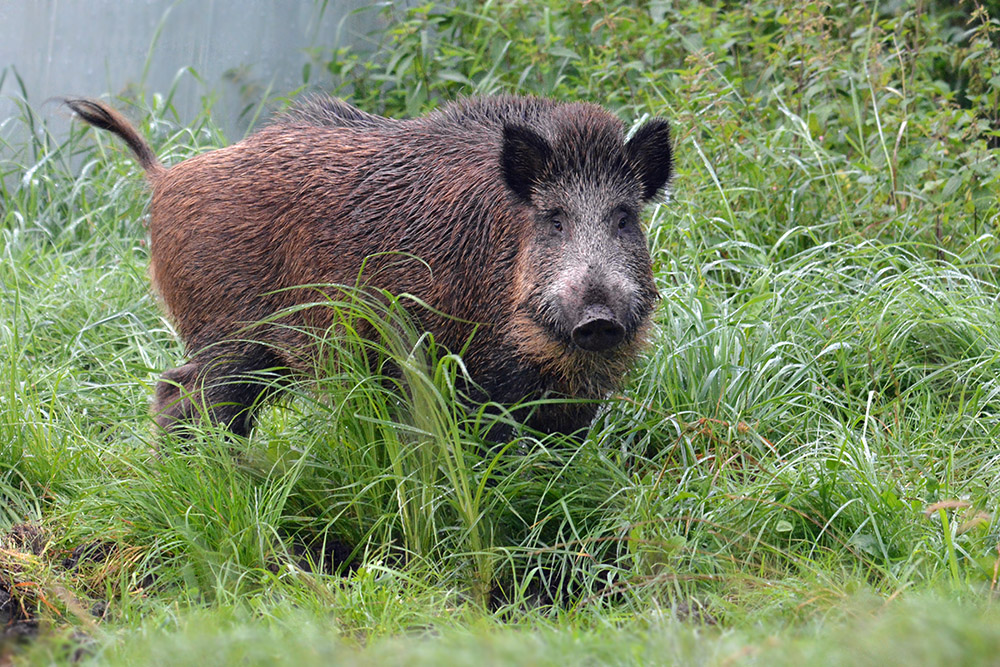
pixel 99 47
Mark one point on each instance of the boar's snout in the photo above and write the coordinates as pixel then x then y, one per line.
pixel 598 329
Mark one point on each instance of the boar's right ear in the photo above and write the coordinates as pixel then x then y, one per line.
pixel 524 159
pixel 650 153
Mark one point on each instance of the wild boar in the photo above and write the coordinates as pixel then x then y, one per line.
pixel 524 212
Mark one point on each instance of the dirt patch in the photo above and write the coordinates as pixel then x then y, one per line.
pixel 33 577
pixel 329 556
pixel 28 537
pixel 20 554
pixel 93 552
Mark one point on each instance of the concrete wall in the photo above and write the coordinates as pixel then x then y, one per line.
pixel 234 49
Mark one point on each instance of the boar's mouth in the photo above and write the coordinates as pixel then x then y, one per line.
pixel 578 371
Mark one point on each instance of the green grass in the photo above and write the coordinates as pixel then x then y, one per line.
pixel 802 470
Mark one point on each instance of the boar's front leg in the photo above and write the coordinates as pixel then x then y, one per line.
pixel 225 384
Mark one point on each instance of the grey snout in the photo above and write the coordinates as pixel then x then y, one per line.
pixel 598 329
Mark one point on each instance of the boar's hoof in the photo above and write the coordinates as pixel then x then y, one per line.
pixel 598 329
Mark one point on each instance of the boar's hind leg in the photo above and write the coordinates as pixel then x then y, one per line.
pixel 224 386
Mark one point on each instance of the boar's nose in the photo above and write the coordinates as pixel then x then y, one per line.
pixel 598 329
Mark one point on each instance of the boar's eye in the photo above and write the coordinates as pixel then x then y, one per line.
pixel 622 217
pixel 556 217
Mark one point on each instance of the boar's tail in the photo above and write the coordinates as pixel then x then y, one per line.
pixel 102 116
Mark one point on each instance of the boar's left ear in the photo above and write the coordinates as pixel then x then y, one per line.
pixel 649 152
pixel 524 159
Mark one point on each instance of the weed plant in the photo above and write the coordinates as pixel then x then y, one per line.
pixel 803 468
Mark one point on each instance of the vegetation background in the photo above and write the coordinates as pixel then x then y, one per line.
pixel 804 468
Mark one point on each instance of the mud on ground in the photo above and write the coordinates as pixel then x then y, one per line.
pixel 32 578
pixel 20 553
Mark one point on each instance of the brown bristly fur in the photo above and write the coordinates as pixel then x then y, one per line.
pixel 329 189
